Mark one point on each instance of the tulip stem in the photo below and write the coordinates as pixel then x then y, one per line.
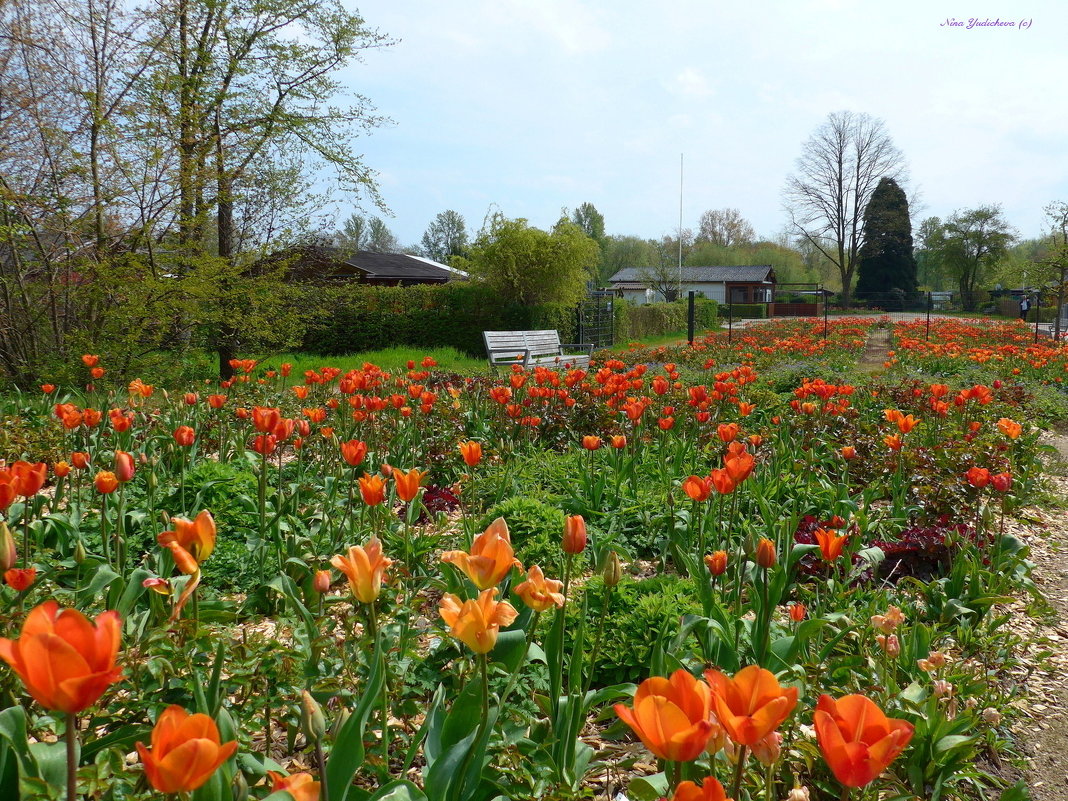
pixel 739 771
pixel 72 757
pixel 845 794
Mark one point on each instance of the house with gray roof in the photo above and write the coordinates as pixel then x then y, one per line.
pixel 739 284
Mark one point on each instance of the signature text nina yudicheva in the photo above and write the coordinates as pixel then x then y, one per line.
pixel 985 22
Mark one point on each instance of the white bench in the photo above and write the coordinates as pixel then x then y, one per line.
pixel 533 349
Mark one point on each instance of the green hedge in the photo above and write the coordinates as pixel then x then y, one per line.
pixel 358 317
pixel 748 311
pixel 656 319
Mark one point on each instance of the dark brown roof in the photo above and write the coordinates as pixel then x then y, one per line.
pixel 321 263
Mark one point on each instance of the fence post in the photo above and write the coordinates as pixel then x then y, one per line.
pixel 823 297
pixel 578 323
pixel 1038 313
pixel 690 314
pixel 730 315
pixel 930 305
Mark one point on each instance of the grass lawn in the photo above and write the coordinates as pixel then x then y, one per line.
pixel 389 359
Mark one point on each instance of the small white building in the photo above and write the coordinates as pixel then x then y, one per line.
pixel 741 284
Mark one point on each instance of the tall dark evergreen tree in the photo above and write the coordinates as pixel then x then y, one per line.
pixel 887 264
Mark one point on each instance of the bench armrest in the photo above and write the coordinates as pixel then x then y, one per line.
pixel 508 356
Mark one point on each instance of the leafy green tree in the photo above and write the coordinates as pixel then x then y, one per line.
pixel 590 221
pixel 886 262
pixel 968 244
pixel 530 266
pixel 379 238
pixel 445 237
pixel 353 235
pixel 725 227
pixel 625 251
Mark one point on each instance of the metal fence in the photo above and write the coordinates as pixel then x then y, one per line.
pixel 595 319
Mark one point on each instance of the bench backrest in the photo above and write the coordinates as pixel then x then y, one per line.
pixel 538 343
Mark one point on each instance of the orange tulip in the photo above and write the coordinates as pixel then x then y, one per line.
pixel 7 489
pixel 727 432
pixel 216 401
pixel 265 419
pixel 476 623
pixel 80 460
pixel 722 481
pixel 48 389
pixel 752 704
pixel 673 717
pixel 538 592
pixel 186 750
pixel 491 557
pixel 322 580
pixel 797 612
pixel 710 790
pixel 97 372
pixel 124 466
pixel 575 537
pixel 20 579
pixel 90 360
pixel 765 553
pixel 893 442
pixel 372 489
pixel 106 482
pixel 197 537
pixel 849 452
pixel 190 398
pixel 857 739
pixel 91 417
pixel 65 661
pixel 354 452
pixel 697 488
pixel 185 436
pixel 265 444
pixel 365 567
pixel 716 562
pixel 471 452
pixel 29 478
pixel 61 469
pixel 302 786
pixel 591 442
pixel 978 477
pixel 831 544
pixel 739 466
pixel 618 441
pixel 1010 428
pixel 408 483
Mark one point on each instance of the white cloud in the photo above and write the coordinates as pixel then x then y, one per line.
pixel 690 83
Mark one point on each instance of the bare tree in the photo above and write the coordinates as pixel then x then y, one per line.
pixel 725 227
pixel 1056 261
pixel 838 170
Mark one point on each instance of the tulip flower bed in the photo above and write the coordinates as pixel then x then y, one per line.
pixel 674 580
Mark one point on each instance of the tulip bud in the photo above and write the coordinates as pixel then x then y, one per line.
pixel 321 582
pixel 765 553
pixel 991 716
pixel 312 722
pixel 339 722
pixel 79 552
pixel 768 749
pixel 124 466
pixel 613 570
pixel 8 555
pixel 240 787
pixel 716 563
pixel 574 534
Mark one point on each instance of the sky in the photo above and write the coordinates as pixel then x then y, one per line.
pixel 533 106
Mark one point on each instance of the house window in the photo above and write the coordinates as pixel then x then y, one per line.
pixel 739 294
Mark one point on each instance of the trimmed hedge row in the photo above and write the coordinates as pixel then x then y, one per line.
pixel 358 317
pixel 657 319
pixel 749 311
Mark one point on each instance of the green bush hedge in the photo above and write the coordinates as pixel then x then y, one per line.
pixel 359 317
pixel 656 319
pixel 748 311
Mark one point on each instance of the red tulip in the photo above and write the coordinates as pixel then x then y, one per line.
pixel 857 739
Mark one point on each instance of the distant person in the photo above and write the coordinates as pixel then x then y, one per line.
pixel 1025 306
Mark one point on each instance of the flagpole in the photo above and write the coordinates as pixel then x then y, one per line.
pixel 681 156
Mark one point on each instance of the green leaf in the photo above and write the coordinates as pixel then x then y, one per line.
pixel 347 754
pixel 51 761
pixel 954 741
pixel 400 790
pixel 648 788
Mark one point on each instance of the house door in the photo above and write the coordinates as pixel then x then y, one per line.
pixel 739 294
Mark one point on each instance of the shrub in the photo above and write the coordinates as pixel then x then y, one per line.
pixel 641 613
